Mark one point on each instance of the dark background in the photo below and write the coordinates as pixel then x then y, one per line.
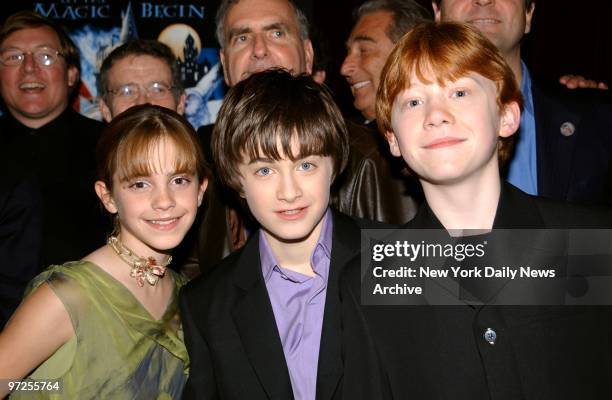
pixel 567 36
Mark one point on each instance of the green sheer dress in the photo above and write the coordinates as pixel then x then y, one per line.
pixel 119 351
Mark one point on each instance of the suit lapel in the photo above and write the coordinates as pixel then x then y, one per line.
pixel 555 152
pixel 346 239
pixel 256 325
pixel 516 210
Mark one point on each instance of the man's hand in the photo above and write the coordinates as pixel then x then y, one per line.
pixel 578 81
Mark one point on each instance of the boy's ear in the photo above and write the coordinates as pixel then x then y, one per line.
pixel 393 145
pixel 105 197
pixel 510 119
pixel 239 187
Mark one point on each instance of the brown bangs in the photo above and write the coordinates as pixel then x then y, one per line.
pixel 130 145
pixel 262 115
pixel 139 154
pixel 275 143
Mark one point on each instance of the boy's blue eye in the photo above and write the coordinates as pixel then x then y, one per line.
pixel 460 93
pixel 264 171
pixel 306 166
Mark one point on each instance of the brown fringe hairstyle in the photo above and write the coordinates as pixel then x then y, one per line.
pixel 128 145
pixel 263 114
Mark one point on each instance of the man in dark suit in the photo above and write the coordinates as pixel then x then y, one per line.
pixel 264 324
pixel 449 105
pixel 564 146
pixel 47 155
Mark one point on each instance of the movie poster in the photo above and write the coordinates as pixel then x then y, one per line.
pixel 98 26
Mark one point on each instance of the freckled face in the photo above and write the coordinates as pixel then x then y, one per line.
pixel 449 133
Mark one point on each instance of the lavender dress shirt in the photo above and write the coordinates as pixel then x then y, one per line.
pixel 298 303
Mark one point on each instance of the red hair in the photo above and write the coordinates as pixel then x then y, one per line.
pixel 446 51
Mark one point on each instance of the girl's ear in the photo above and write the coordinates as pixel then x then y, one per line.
pixel 105 197
pixel 510 119
pixel 201 191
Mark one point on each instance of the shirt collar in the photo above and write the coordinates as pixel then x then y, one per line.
pixel 321 249
pixel 51 127
pixel 526 89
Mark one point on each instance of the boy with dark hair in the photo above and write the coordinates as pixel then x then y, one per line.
pixel 264 323
pixel 449 105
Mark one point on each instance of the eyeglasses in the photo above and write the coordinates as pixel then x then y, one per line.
pixel 130 91
pixel 43 56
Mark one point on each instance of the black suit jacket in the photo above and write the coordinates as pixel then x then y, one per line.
pixel 231 334
pixel 49 212
pixel 576 167
pixel 439 352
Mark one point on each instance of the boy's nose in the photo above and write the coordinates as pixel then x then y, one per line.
pixel 289 188
pixel 437 115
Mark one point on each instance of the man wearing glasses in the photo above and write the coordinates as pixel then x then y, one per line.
pixel 138 72
pixel 48 209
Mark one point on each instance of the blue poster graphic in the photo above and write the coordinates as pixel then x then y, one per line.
pixel 98 26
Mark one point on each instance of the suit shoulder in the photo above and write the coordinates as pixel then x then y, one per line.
pixel 88 123
pixel 363 140
pixel 358 223
pixel 573 216
pixel 585 100
pixel 215 279
pixel 87 129
pixel 364 223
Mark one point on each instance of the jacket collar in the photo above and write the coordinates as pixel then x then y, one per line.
pixel 256 324
pixel 515 210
